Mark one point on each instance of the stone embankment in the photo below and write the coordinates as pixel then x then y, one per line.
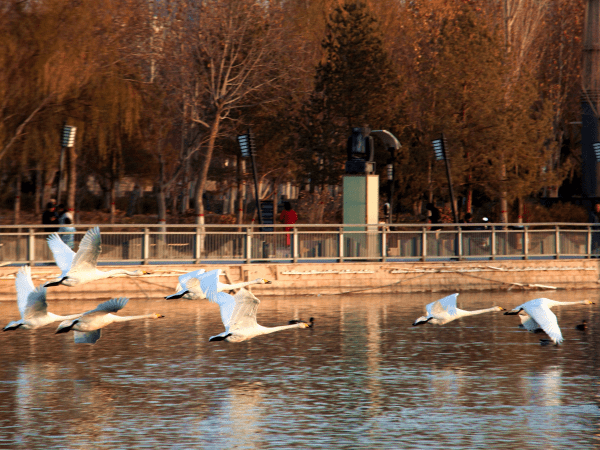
pixel 336 278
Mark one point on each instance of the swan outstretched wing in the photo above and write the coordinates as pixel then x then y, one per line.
pixel 528 322
pixel 89 250
pixel 63 255
pixel 87 337
pixel 446 305
pixel 209 284
pixel 546 320
pixel 30 301
pixel 226 304
pixel 187 277
pixel 110 306
pixel 244 312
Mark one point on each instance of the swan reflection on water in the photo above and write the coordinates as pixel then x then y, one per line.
pixel 363 376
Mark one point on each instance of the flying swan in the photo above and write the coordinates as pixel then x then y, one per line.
pixel 444 310
pixel 536 314
pixel 198 284
pixel 87 327
pixel 32 305
pixel 78 268
pixel 238 314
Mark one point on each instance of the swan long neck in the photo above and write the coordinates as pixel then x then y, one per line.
pixel 113 272
pixel 578 302
pixel 59 317
pixel 268 330
pixel 242 284
pixel 480 311
pixel 128 318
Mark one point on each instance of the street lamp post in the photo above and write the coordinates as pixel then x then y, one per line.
pixel 248 148
pixel 439 148
pixel 390 177
pixel 67 141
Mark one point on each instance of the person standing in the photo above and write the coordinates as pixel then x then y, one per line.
pixel 65 227
pixel 49 217
pixel 289 217
pixel 435 217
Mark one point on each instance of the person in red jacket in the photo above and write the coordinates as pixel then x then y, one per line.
pixel 289 217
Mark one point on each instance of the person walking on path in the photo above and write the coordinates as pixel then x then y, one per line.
pixel 289 217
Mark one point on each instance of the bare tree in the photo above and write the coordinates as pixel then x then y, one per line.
pixel 231 55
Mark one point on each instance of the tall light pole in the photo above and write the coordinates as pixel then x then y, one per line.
pixel 393 145
pixel 439 148
pixel 248 148
pixel 67 141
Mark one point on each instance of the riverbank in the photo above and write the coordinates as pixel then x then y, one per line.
pixel 310 279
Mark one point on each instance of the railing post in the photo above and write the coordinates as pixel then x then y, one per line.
pixel 146 246
pixel 557 230
pixel 493 242
pixel 525 242
pixel 459 248
pixel 341 243
pixel 589 242
pixel 198 245
pixel 384 243
pixel 31 247
pixel 424 245
pixel 249 231
pixel 295 244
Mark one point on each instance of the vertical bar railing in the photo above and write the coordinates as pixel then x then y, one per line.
pixel 31 247
pixel 198 246
pixel 248 255
pixel 505 242
pixel 341 244
pixel 295 244
pixel 146 246
pixel 424 244
pixel 384 243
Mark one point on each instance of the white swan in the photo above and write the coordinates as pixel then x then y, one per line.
pixel 537 315
pixel 199 284
pixel 80 267
pixel 238 314
pixel 444 310
pixel 87 327
pixel 31 302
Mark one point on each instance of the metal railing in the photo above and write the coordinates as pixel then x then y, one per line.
pixel 151 244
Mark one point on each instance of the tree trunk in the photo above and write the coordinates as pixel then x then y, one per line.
pixel 49 175
pixel 203 175
pixel 503 193
pixel 240 196
pixel 161 197
pixel 18 198
pixel 39 188
pixel 113 199
pixel 72 177
pixel 469 208
pixel 161 200
pixel 520 208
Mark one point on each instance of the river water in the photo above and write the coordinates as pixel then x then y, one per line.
pixel 362 378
